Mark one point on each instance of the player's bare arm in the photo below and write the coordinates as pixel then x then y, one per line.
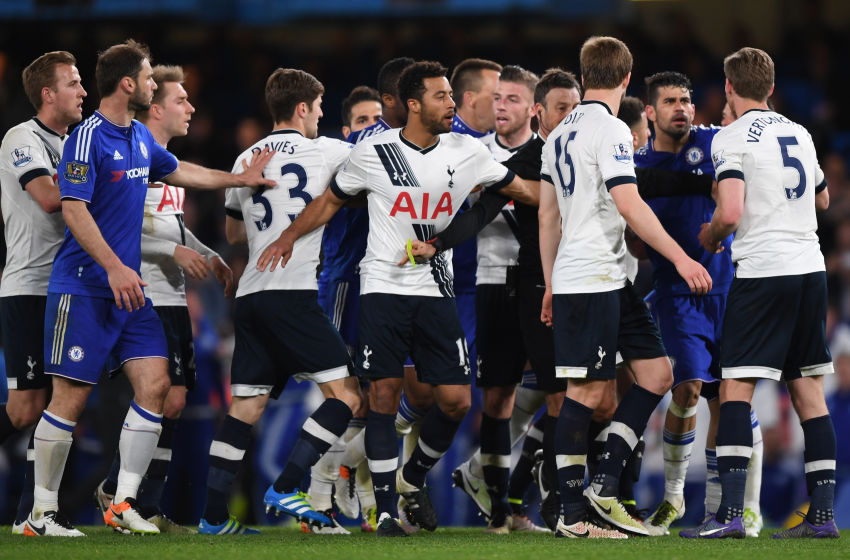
pixel 234 231
pixel 126 284
pixel 316 214
pixel 643 221
pixel 549 218
pixel 822 200
pixel 727 215
pixel 522 190
pixel 191 175
pixel 46 193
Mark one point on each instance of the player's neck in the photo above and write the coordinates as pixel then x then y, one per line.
pixel 117 110
pixel 610 97
pixel 417 134
pixel 159 135
pixel 468 118
pixel 516 138
pixel 290 125
pixel 53 122
pixel 742 105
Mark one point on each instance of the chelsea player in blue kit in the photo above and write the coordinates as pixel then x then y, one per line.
pixel 96 309
pixel 689 324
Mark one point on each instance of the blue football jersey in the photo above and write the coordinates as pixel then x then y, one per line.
pixel 109 167
pixel 682 216
pixel 344 239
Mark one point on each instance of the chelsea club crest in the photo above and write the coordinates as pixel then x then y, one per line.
pixel 143 149
pixel 694 155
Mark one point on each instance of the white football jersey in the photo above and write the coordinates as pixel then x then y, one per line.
pixel 413 193
pixel 498 245
pixel 162 230
pixel 777 161
pixel 29 150
pixel 586 155
pixel 302 169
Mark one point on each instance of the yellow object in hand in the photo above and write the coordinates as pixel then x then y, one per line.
pixel 410 253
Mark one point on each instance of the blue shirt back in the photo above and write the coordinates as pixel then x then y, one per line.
pixel 108 166
pixel 682 216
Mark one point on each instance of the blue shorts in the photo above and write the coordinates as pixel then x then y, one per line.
pixel 82 334
pixel 340 300
pixel 690 328
pixel 775 328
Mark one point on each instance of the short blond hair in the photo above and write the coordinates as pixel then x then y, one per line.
pixel 41 73
pixel 751 73
pixel 605 62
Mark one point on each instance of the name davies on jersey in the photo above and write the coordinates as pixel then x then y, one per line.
pixel 404 204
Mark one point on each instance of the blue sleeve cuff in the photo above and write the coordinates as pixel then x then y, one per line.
pixel 730 174
pixel 820 187
pixel 32 174
pixel 509 176
pixel 621 180
pixel 235 214
pixel 338 191
pixel 547 178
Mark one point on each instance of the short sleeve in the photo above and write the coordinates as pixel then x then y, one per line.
pixel 352 178
pixel 545 174
pixel 726 157
pixel 615 153
pixel 335 151
pixel 24 156
pixel 77 170
pixel 163 162
pixel 488 172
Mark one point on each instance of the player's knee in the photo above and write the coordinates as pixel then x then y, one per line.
pixel 248 409
pixel 24 415
pixel 456 408
pixel 175 402
pixel 687 394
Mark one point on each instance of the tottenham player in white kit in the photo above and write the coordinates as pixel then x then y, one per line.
pixel 281 331
pixel 769 186
pixel 168 249
pixel 33 228
pixel 415 177
pixel 588 187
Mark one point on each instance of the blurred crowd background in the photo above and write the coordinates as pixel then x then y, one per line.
pixel 229 47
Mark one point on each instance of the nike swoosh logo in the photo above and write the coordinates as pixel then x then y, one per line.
pixel 712 531
pixel 116 514
pixel 474 489
pixel 38 530
pixel 606 511
pixel 580 535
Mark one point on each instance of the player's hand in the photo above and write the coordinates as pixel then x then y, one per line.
pixel 546 309
pixel 126 287
pixel 705 239
pixel 253 174
pixel 191 261
pixel 695 275
pixel 279 250
pixel 223 274
pixel 421 252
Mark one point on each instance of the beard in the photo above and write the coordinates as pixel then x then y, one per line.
pixel 676 133
pixel 435 124
pixel 139 102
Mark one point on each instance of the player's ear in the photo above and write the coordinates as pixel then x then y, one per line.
pixel 650 113
pixel 46 95
pixel 346 131
pixel 626 81
pixel 413 106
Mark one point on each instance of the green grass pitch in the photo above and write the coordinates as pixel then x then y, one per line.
pixel 283 543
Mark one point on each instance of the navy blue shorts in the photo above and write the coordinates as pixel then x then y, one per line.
pixel 775 328
pixel 428 329
pixel 181 346
pixel 591 328
pixel 501 352
pixel 538 338
pixel 340 300
pixel 22 324
pixel 82 334
pixel 690 328
pixel 282 334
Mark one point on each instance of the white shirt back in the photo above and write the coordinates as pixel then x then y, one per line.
pixel 498 245
pixel 29 150
pixel 413 194
pixel 777 161
pixel 586 155
pixel 302 169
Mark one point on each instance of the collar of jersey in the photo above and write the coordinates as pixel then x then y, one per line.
pixel 113 124
pixel 692 139
pixel 413 146
pixel 515 148
pixel 758 110
pixel 286 131
pixel 46 128
pixel 595 102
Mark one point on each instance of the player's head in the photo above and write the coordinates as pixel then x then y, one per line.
pixel 749 75
pixel 294 97
pixel 727 116
pixel 474 83
pixel 426 91
pixel 360 109
pixel 606 63
pixel 556 95
pixel 514 100
pixel 395 110
pixel 125 69
pixel 633 113
pixel 670 108
pixel 170 110
pixel 52 83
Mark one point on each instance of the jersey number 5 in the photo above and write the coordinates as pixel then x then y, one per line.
pixel 792 192
pixel 294 192
pixel 566 188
